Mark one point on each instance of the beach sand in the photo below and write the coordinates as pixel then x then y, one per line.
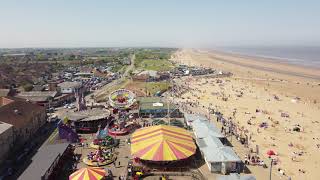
pixel 253 86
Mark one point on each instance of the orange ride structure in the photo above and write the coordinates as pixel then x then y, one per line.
pixel 162 143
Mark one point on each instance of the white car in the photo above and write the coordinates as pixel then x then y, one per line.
pixel 53 118
pixel 71 106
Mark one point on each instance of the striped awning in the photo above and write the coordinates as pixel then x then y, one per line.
pixel 162 143
pixel 93 173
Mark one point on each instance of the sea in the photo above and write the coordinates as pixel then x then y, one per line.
pixel 302 56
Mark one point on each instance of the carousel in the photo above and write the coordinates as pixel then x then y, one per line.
pixel 162 144
pixel 88 121
pixel 103 140
pixel 100 157
pixel 159 148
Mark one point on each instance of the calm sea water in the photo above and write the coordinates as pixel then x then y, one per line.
pixel 305 56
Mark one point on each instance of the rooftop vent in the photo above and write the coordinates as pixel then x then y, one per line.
pixel 16 111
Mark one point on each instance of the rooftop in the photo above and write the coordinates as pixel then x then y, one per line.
pixel 235 176
pixel 38 93
pixel 69 84
pixel 4 127
pixel 4 92
pixel 209 141
pixel 203 128
pixel 220 154
pixel 193 117
pixel 88 115
pixel 149 72
pixel 37 96
pixel 19 112
pixel 43 160
pixel 154 103
pixel 38 88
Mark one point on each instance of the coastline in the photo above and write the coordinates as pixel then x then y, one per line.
pixel 273 62
pixel 259 83
pixel 314 62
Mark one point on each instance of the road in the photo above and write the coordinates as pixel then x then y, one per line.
pixel 62 112
pixel 105 88
pixel 130 67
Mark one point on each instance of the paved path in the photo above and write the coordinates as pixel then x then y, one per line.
pixel 117 81
pixel 122 153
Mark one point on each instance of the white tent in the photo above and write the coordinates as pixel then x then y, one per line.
pixel 189 118
pixel 203 129
pixel 220 154
pixel 234 176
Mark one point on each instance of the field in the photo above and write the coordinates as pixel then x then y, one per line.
pixel 154 87
pixel 153 59
pixel 103 94
pixel 149 88
pixel 156 65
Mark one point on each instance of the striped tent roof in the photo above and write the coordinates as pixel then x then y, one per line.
pixel 162 143
pixel 93 173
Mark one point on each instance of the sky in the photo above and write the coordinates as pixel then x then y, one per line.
pixel 165 23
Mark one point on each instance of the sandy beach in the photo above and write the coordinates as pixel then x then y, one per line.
pixel 281 96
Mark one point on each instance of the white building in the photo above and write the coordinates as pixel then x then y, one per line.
pixel 218 157
pixel 69 87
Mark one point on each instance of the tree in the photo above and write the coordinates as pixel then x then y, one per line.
pixel 27 87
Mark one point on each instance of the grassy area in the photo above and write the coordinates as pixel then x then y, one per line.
pixel 153 59
pixel 156 65
pixel 100 97
pixel 118 68
pixel 154 87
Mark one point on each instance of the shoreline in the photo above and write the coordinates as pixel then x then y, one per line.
pixel 272 59
pixel 262 92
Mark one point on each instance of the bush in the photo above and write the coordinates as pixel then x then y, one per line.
pixel 27 87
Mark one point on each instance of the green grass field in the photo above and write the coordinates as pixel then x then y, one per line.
pixel 154 87
pixel 104 92
pixel 156 65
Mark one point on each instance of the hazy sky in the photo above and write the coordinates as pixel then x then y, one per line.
pixel 183 23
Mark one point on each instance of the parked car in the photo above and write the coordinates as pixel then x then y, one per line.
pixel 71 106
pixel 50 110
pixel 53 118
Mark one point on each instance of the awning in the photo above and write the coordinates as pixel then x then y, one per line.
pixel 162 143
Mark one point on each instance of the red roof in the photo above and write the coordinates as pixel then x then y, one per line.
pixel 19 112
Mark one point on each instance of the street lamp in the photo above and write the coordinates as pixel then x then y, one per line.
pixel 270 168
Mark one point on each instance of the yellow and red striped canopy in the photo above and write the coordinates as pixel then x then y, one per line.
pixel 162 143
pixel 93 173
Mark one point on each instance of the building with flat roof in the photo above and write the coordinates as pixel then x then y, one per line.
pixel 204 128
pixel 88 120
pixel 7 92
pixel 211 142
pixel 6 140
pixel 235 176
pixel 45 162
pixel 40 97
pixel 26 117
pixel 69 87
pixel 156 107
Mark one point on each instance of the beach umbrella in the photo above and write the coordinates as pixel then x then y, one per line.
pixel 162 143
pixel 270 153
pixel 93 173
